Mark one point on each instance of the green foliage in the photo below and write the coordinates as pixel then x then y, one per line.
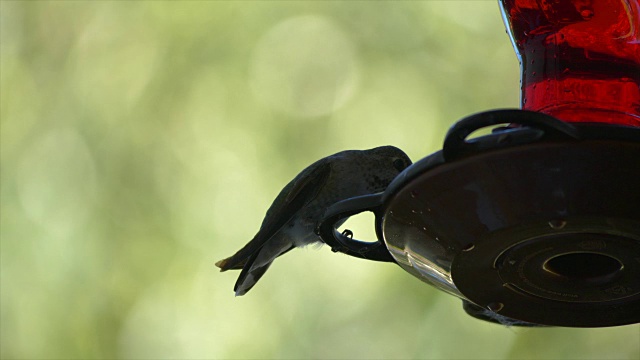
pixel 142 141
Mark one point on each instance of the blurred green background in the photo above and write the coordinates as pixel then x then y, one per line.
pixel 143 141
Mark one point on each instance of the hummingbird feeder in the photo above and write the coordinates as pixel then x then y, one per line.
pixel 537 223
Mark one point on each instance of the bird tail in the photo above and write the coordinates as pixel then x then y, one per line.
pixel 230 263
pixel 239 259
pixel 257 265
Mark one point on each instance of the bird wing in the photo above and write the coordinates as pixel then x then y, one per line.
pixel 299 192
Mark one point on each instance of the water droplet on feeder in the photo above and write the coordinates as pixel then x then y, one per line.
pixel 586 14
pixel 557 224
pixel 495 306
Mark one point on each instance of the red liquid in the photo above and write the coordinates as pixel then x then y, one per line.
pixel 580 59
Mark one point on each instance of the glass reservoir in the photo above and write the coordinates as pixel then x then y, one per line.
pixel 579 59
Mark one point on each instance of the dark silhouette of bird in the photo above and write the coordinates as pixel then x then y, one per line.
pixel 295 213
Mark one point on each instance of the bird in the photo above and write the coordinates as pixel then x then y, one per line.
pixel 291 220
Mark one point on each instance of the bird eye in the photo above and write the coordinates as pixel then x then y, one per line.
pixel 398 164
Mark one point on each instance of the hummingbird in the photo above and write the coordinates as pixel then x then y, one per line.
pixel 291 220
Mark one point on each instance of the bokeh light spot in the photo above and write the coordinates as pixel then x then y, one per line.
pixel 56 181
pixel 304 66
